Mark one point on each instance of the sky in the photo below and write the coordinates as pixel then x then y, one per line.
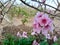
pixel 49 2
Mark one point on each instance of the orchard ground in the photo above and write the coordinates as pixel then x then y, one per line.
pixel 16 25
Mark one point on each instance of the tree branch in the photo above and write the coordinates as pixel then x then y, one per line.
pixel 48 5
pixel 41 10
pixel 8 8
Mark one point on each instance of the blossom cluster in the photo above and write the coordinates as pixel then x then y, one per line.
pixel 24 34
pixel 42 23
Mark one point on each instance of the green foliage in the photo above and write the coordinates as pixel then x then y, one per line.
pixel 12 40
pixel 25 14
pixel 44 42
pixel 24 20
pixel 22 10
pixel 9 40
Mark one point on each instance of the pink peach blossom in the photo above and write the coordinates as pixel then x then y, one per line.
pixel 55 38
pixel 48 36
pixel 52 28
pixel 43 23
pixel 35 43
pixel 46 29
pixel 39 14
pixel 18 34
pixel 49 11
pixel 24 34
pixel 33 33
pixel 36 27
pixel 45 32
pixel 49 26
pixel 44 20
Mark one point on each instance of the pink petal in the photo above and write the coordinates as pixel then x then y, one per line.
pixel 49 11
pixel 55 38
pixel 24 34
pixel 36 25
pixel 52 28
pixel 39 14
pixel 48 36
pixel 33 33
pixel 36 28
pixel 44 20
pixel 35 43
pixel 18 34
pixel 45 32
pixel 49 27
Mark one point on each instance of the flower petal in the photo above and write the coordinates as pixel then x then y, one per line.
pixel 24 34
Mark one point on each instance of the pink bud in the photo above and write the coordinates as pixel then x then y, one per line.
pixel 49 11
pixel 24 34
pixel 18 34
pixel 35 43
pixel 55 38
pixel 33 33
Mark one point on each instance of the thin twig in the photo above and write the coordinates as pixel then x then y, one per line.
pixel 41 10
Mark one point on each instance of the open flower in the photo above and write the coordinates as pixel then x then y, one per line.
pixel 44 20
pixel 43 23
pixel 24 34
pixel 36 27
pixel 48 27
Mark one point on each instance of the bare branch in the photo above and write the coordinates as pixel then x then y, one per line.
pixel 41 10
pixel 6 8
pixel 57 6
pixel 48 5
pixel 1 4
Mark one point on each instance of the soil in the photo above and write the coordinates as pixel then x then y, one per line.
pixel 14 29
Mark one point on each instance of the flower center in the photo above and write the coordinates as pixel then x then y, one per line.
pixel 39 16
pixel 44 21
pixel 47 26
